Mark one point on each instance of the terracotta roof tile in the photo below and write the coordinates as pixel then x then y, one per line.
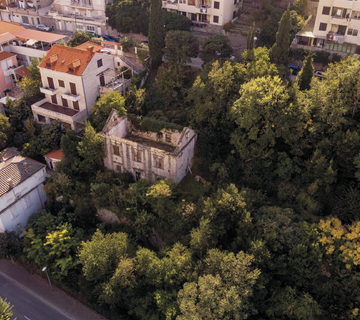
pixel 83 46
pixel 5 55
pixel 66 57
pixel 55 154
pixel 10 27
pixel 22 71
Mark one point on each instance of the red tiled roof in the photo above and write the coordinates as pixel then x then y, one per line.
pixel 83 46
pixel 55 154
pixel 22 71
pixel 10 27
pixel 5 55
pixel 65 58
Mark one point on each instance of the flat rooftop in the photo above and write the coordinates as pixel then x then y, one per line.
pixel 150 143
pixel 63 110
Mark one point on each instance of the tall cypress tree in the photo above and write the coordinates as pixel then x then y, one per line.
pixel 306 74
pixel 250 38
pixel 280 49
pixel 156 33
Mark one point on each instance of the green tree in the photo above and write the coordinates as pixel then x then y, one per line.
pixel 10 244
pixel 129 16
pixel 156 33
pixel 91 149
pixel 101 255
pixel 180 46
pixel 216 47
pixel 104 106
pixel 174 21
pixel 250 38
pixel 68 144
pixel 5 130
pixel 306 74
pixel 78 38
pixel 32 83
pixel 300 6
pixel 5 310
pixel 280 50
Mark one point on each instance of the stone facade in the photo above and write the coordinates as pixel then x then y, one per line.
pixel 147 155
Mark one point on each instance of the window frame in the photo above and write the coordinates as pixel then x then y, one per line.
pixel 322 26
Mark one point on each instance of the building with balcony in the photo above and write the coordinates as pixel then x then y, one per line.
pixel 166 154
pixel 203 12
pixel 10 72
pixel 84 15
pixel 71 79
pixel 26 43
pixel 21 189
pixel 26 12
pixel 336 28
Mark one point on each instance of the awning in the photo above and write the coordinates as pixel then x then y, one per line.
pixel 30 42
pixel 39 35
pixel 6 37
pixel 306 32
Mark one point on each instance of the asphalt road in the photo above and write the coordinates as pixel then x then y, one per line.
pixel 28 305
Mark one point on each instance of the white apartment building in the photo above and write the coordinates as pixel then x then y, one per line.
pixel 147 155
pixel 84 15
pixel 71 78
pixel 336 27
pixel 203 12
pixel 21 189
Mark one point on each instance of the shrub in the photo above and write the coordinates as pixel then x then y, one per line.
pixel 322 57
pixel 228 26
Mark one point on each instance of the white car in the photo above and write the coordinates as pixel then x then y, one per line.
pixel 43 27
pixel 105 51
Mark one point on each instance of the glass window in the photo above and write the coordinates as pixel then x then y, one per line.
pixel 322 26
pixel 326 10
pixel 61 83
pixel 99 63
pixel 216 19
pixel 216 5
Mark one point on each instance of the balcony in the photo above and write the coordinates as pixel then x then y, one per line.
pixel 81 4
pixel 50 91
pixel 336 37
pixel 71 97
pixel 115 85
pixel 11 70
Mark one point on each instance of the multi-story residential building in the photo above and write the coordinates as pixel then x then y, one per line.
pixel 85 15
pixel 336 27
pixel 26 43
pixel 21 189
pixel 71 79
pixel 27 12
pixel 204 12
pixel 147 155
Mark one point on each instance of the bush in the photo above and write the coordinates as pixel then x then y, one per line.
pixel 127 43
pixel 228 26
pixel 322 57
pixel 298 53
pixel 336 58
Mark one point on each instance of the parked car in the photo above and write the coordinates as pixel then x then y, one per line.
pixel 92 34
pixel 294 69
pixel 319 74
pixel 43 27
pixel 105 51
pixel 110 38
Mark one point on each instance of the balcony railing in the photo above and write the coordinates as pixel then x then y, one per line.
pixel 71 97
pixel 81 3
pixel 50 91
pixel 333 36
pixel 11 70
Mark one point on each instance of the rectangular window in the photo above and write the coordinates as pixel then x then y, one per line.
pixel 159 162
pixel 118 168
pixel 216 19
pixel 326 10
pixel 322 26
pixel 76 105
pixel 64 102
pixel 116 150
pixel 61 84
pixel 168 137
pixel 235 1
pixel 352 32
pixel 53 99
pixel 51 83
pixel 73 88
pixel 216 5
pixel 90 28
pixel 137 155
pixel 99 63
pixel 79 27
pixel 356 15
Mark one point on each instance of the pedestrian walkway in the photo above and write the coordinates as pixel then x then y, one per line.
pixel 36 286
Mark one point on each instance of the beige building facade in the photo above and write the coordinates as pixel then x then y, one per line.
pixel 203 12
pixel 84 15
pixel 336 27
pixel 147 155
pixel 71 79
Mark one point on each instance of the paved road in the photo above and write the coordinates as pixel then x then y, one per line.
pixel 28 305
pixel 33 300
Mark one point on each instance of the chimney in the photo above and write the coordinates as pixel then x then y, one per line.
pixel 90 49
pixel 26 167
pixel 11 183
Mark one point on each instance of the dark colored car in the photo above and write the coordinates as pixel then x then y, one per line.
pixel 110 38
pixel 294 69
pixel 92 34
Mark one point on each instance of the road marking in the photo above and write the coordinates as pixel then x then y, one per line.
pixel 27 318
pixel 49 304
